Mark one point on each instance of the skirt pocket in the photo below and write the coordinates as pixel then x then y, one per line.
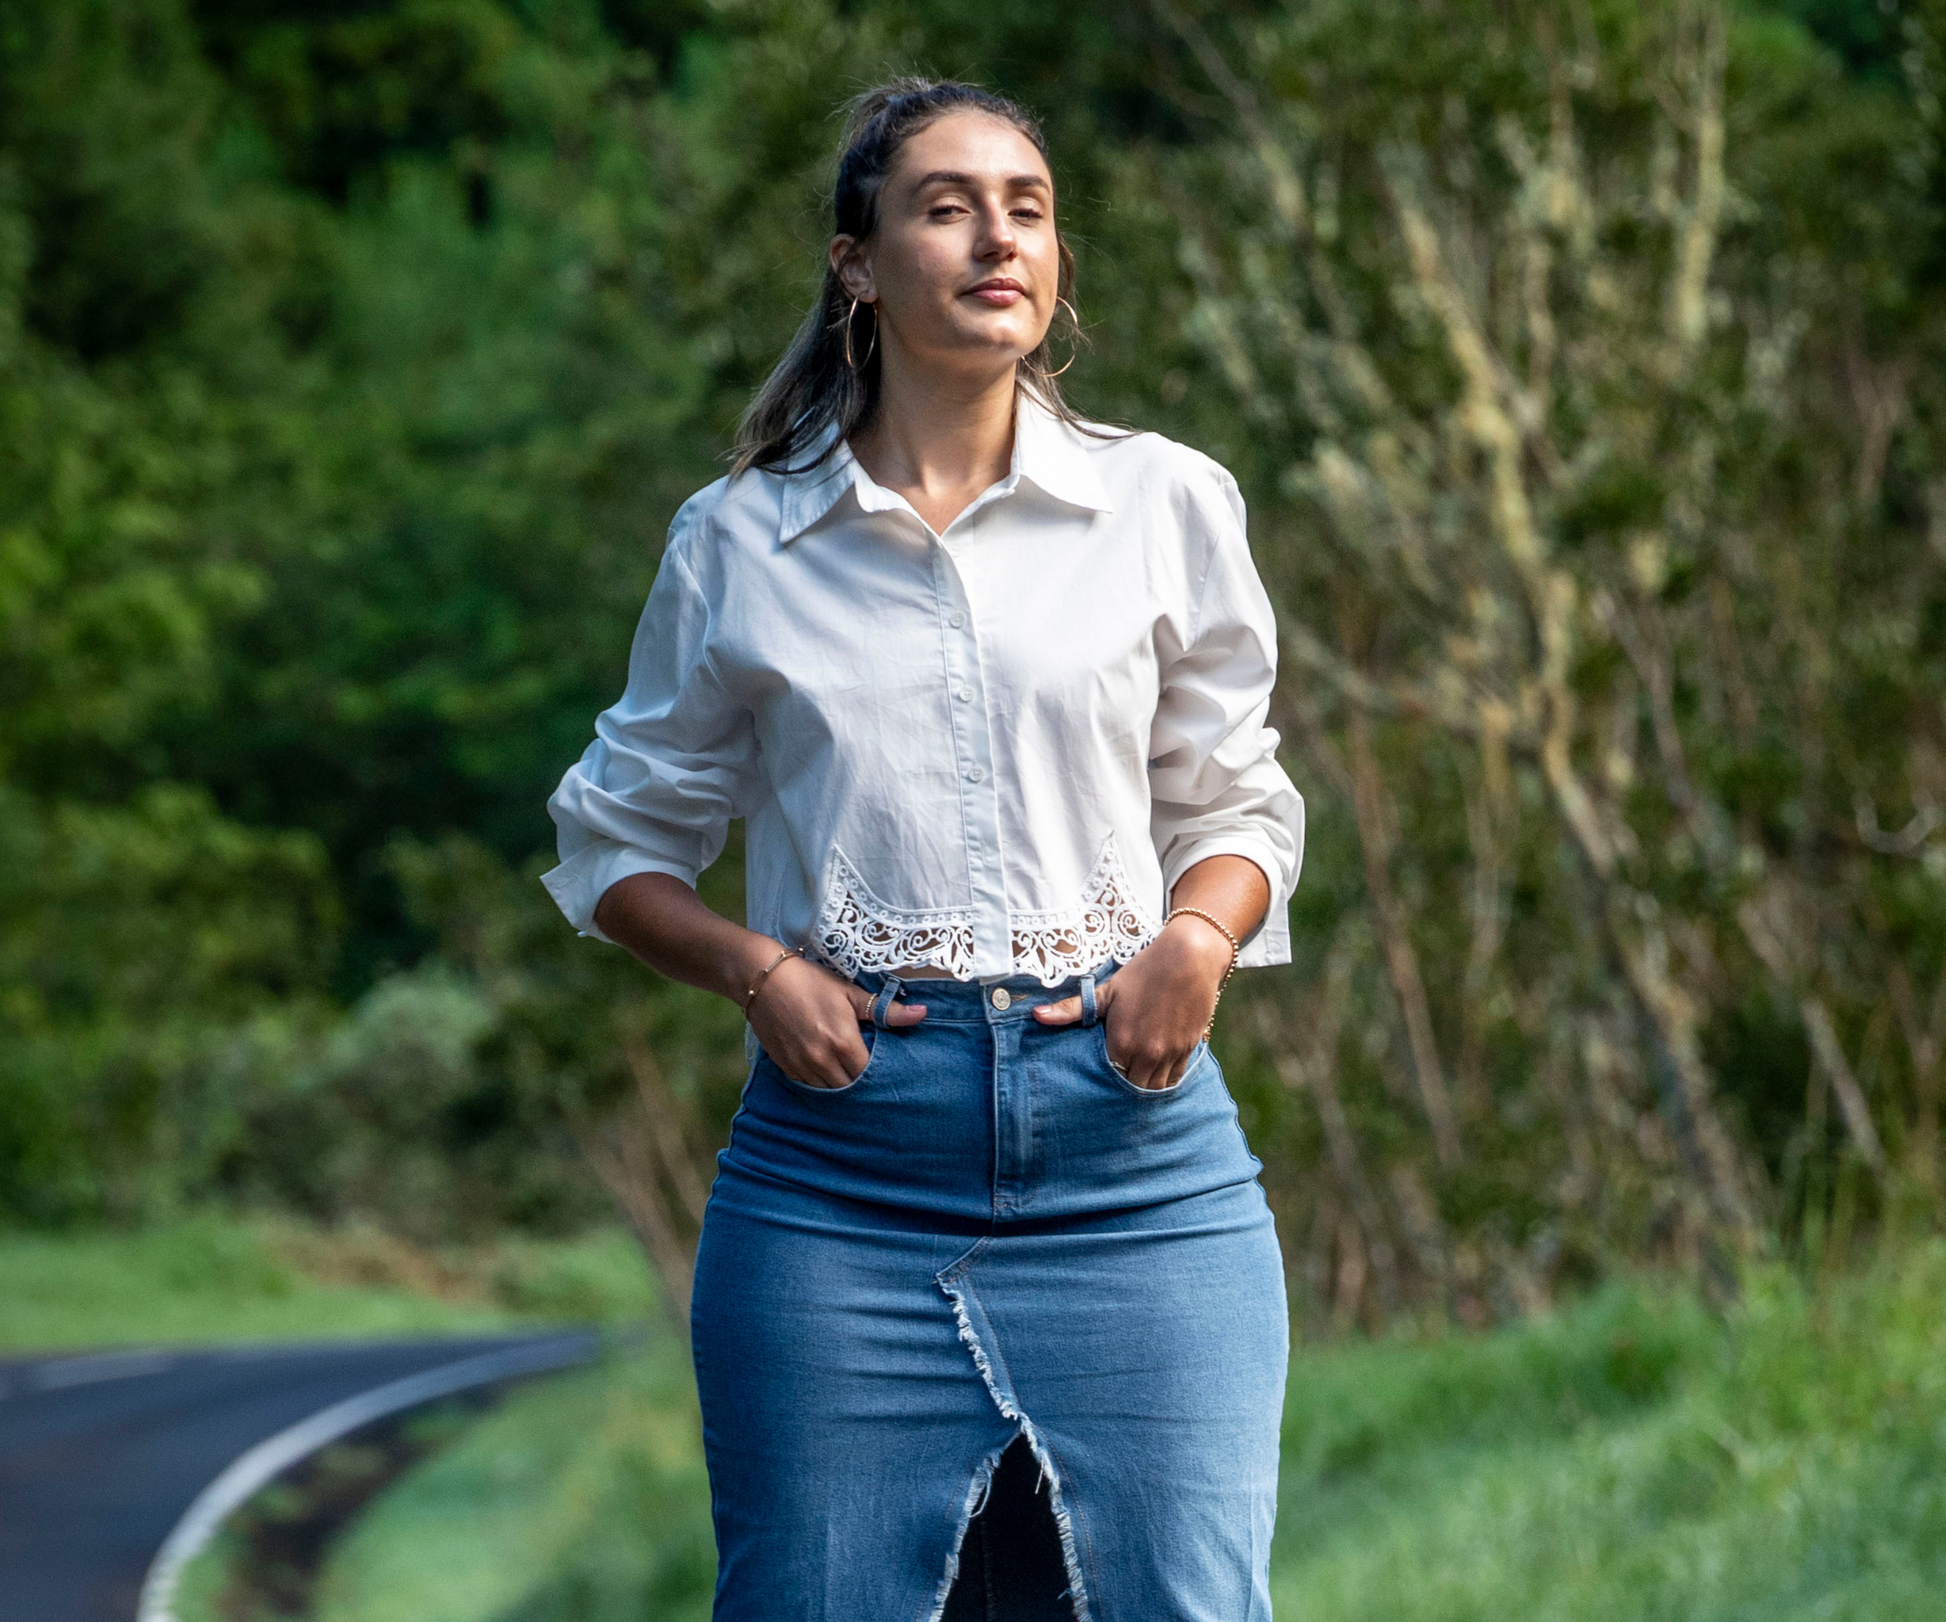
pixel 869 1034
pixel 1199 1056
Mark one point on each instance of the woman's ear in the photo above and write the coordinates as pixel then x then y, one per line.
pixel 851 263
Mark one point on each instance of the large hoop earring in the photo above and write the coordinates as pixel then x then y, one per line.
pixel 1077 334
pixel 850 315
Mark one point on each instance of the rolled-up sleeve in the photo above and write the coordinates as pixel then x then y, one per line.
pixel 672 762
pixel 1216 787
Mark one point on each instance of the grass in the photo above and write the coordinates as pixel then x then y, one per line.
pixel 202 1591
pixel 1631 1458
pixel 224 1278
pixel 263 1563
pixel 581 1498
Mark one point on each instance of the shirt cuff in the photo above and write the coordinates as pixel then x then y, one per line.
pixel 580 882
pixel 1270 942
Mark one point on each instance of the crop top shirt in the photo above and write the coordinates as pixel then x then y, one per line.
pixel 990 751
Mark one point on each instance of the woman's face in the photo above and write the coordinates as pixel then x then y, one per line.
pixel 964 266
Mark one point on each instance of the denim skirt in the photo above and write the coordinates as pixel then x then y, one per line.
pixel 989 1236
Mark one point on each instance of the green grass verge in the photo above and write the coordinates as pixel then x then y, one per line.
pixel 1633 1460
pixel 583 1497
pixel 221 1278
pixel 201 1590
pixel 1629 1459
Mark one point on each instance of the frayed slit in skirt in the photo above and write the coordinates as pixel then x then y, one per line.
pixel 1010 1563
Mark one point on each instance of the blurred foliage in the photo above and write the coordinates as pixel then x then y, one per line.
pixel 1590 358
pixel 1581 361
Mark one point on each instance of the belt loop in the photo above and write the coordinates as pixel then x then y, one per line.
pixel 1087 999
pixel 882 1003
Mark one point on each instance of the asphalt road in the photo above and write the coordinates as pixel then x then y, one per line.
pixel 100 1456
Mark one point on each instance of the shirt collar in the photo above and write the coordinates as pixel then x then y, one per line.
pixel 1047 453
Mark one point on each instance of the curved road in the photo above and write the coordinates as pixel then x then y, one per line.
pixel 101 1455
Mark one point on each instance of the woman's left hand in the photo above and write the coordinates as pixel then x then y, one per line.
pixel 1157 1006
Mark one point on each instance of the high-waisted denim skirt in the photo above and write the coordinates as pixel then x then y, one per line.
pixel 990 1235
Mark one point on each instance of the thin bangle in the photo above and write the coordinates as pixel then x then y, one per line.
pixel 1236 951
pixel 757 984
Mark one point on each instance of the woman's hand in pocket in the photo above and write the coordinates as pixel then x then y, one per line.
pixel 807 1019
pixel 1156 1008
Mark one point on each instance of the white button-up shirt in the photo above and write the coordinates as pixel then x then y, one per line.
pixel 992 751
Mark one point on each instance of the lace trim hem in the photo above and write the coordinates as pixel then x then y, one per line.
pixel 856 931
pixel 1109 923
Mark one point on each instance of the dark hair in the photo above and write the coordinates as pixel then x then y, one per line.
pixel 815 386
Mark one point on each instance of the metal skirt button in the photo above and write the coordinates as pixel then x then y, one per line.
pixel 1003 999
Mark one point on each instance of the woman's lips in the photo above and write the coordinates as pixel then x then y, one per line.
pixel 997 295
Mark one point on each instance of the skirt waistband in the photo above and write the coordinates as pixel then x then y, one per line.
pixel 972 1002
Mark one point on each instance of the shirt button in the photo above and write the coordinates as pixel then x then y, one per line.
pixel 1003 999
pixel 965 695
pixel 957 621
pixel 974 774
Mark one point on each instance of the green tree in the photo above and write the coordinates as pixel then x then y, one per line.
pixel 1585 352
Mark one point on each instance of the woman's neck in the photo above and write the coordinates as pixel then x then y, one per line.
pixel 939 442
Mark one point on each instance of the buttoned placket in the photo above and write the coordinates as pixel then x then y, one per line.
pixel 967 710
pixel 972 732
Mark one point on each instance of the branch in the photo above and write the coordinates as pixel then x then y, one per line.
pixel 1924 1041
pixel 1767 942
pixel 1287 197
pixel 1487 903
pixel 1689 296
pixel 1906 842
pixel 1652 668
pixel 1374 816
pixel 1482 409
pixel 1667 1009
pixel 615 1153
pixel 662 1114
pixel 1315 1069
pixel 1483 717
pixel 1851 1097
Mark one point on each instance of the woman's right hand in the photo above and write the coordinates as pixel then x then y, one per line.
pixel 807 1019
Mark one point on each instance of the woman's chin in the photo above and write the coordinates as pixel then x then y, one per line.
pixel 985 346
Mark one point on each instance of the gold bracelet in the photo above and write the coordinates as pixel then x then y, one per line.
pixel 1236 951
pixel 1223 929
pixel 757 984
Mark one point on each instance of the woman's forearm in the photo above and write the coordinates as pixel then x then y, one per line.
pixel 1232 888
pixel 665 924
pixel 807 1016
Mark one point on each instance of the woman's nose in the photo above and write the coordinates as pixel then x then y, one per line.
pixel 997 240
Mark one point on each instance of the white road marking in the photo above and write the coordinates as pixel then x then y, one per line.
pixel 253 1470
pixel 57 1374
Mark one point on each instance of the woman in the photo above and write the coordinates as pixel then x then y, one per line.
pixel 989 685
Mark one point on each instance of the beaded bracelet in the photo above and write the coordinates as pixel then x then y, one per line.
pixel 1236 951
pixel 757 984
